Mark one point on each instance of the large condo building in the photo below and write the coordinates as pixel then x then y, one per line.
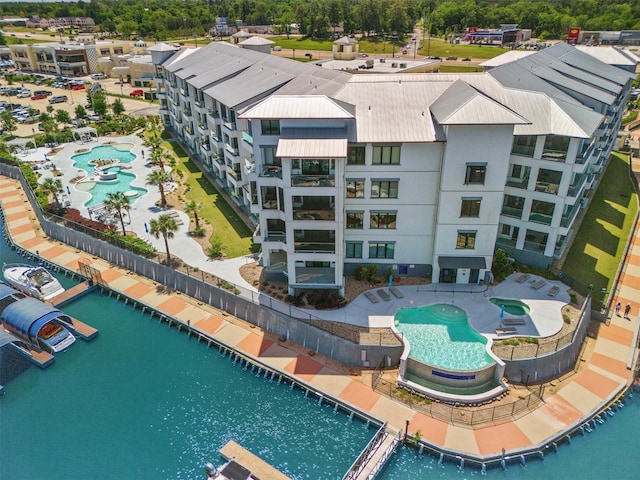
pixel 422 174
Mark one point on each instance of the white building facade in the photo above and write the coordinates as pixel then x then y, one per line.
pixel 418 174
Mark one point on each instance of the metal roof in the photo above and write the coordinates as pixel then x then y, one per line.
pixel 462 262
pixel 568 83
pixel 27 316
pixel 345 41
pixel 461 104
pixel 507 57
pixel 162 47
pixel 256 41
pixel 312 147
pixel 610 55
pixel 300 106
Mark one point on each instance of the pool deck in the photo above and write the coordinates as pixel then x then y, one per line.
pixel 606 372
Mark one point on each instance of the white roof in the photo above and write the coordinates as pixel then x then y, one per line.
pixel 345 41
pixel 162 47
pixel 256 41
pixel 610 55
pixel 299 106
pixel 461 104
pixel 312 148
pixel 507 57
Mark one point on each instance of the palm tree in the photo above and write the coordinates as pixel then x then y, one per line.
pixel 159 178
pixel 194 207
pixel 158 157
pixel 52 186
pixel 164 225
pixel 118 201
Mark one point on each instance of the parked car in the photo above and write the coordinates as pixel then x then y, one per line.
pixel 58 99
pixel 38 96
pixel 24 94
pixel 137 93
pixel 77 87
pixel 99 76
pixel 94 117
pixel 46 93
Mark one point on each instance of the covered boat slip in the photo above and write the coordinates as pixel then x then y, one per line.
pixel 243 462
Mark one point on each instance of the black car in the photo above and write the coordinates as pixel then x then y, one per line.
pixel 43 92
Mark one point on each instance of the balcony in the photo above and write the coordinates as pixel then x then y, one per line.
pixel 271 171
pixel 567 218
pixel 525 150
pixel 315 247
pixel 219 160
pixel 203 126
pixel 313 180
pixel 231 126
pixel 302 214
pixel 545 187
pixel 232 150
pixel 576 187
pixel 542 218
pixel 554 155
pixel 247 138
pixel 249 166
pixel 276 237
pixel 521 183
pixel 206 147
pixel 187 111
pixel 511 212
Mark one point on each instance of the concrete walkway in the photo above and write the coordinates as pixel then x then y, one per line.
pixel 578 397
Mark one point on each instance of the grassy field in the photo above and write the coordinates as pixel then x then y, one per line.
pixel 458 69
pixel 228 227
pixel 600 243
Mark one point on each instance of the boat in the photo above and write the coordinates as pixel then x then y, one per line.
pixel 55 338
pixel 35 281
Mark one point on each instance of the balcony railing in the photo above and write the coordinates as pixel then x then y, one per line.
pixel 523 150
pixel 567 219
pixel 276 237
pixel 233 173
pixel 232 150
pixel 534 246
pixel 575 188
pixel 206 146
pixel 213 114
pixel 547 187
pixel 554 155
pixel 518 183
pixel 229 125
pixel 540 218
pixel 219 159
pixel 315 247
pixel 313 180
pixel 301 214
pixel 271 171
pixel 316 275
pixel 512 212
pixel 247 138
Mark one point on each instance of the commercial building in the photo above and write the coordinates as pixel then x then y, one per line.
pixel 419 174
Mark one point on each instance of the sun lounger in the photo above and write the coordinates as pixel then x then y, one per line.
pixel 372 298
pixel 538 285
pixel 513 321
pixel 523 278
pixel 396 293
pixel 505 330
pixel 384 295
pixel 553 291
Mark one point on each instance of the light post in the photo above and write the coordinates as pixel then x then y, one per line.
pixel 384 44
pixel 184 23
pixel 394 36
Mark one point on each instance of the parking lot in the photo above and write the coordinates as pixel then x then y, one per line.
pixel 134 106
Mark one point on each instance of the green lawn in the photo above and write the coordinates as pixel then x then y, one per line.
pixel 228 227
pixel 302 43
pixel 458 69
pixel 600 243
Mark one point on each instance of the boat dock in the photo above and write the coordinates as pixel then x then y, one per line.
pixel 82 330
pixel 40 358
pixel 71 294
pixel 258 467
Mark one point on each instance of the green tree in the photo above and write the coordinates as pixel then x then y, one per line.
pixel 80 112
pixel 165 226
pixel 99 103
pixel 52 186
pixel 8 123
pixel 118 107
pixel 62 116
pixel 159 178
pixel 194 208
pixel 119 203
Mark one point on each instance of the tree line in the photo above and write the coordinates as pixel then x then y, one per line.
pixel 162 19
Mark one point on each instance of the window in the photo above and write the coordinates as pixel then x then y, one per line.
pixel 355 188
pixel 386 155
pixel 270 127
pixel 354 250
pixel 524 144
pixel 466 240
pixel 355 220
pixel 384 189
pixel 381 250
pixel 470 207
pixel 355 155
pixel 475 174
pixel 386 220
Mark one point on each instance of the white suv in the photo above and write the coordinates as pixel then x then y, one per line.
pixel 99 76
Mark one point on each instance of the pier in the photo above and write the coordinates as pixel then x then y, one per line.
pixel 258 467
pixel 71 294
pixel 81 330
pixel 40 358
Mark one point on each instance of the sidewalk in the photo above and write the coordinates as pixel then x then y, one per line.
pixel 575 400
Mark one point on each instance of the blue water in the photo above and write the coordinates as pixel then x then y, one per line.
pixel 440 335
pixel 100 191
pixel 126 407
pixel 514 307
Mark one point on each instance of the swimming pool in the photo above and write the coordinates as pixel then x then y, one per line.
pixel 113 179
pixel 511 306
pixel 440 335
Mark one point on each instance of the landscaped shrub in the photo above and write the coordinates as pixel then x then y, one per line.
pixel 372 273
pixel 359 272
pixel 73 215
pixel 215 250
pixel 502 266
pixel 388 273
pixel 133 244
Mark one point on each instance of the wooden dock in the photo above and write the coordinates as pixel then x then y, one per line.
pixel 259 468
pixel 41 358
pixel 71 294
pixel 82 330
